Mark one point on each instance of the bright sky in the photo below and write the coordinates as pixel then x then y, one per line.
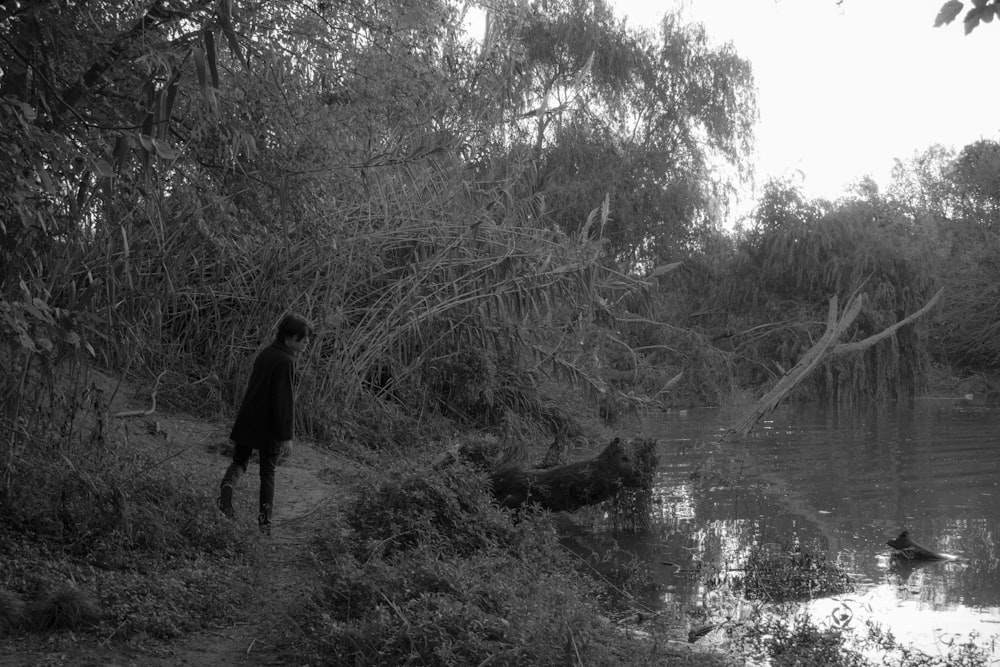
pixel 844 89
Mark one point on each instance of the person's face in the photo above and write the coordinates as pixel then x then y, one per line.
pixel 296 343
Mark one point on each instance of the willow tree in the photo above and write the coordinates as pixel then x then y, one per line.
pixel 953 198
pixel 642 119
pixel 798 255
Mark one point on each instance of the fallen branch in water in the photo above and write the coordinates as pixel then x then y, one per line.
pixel 827 345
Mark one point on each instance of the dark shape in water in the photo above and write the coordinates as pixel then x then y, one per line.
pixel 910 550
pixel 570 487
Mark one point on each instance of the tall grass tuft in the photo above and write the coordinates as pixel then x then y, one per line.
pixel 66 608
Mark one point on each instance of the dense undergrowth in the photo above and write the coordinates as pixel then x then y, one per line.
pixel 110 546
pixel 427 570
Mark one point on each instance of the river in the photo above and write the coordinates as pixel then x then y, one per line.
pixel 840 483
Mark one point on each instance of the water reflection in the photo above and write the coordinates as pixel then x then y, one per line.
pixel 840 483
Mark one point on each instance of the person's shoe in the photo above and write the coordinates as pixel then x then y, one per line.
pixel 225 501
pixel 264 520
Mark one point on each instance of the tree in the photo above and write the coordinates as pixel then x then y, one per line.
pixel 920 185
pixel 637 119
pixel 952 200
pixel 975 176
pixel 798 254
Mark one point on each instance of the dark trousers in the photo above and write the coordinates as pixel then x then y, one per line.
pixel 268 462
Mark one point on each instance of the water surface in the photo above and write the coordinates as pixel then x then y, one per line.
pixel 840 483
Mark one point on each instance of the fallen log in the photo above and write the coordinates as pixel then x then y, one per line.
pixel 837 324
pixel 570 487
pixel 906 548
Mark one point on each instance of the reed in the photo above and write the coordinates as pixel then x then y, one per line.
pixel 398 285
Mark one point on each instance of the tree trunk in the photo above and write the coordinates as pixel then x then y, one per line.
pixel 572 486
pixel 826 345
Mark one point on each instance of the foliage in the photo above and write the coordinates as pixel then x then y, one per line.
pixel 967 333
pixel 982 11
pixel 954 654
pixel 84 503
pixel 789 264
pixel 134 593
pixel 435 574
pixel 244 160
pixel 783 575
pixel 630 121
pixel 952 199
pixel 801 641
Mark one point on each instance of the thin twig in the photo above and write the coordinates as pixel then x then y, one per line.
pixel 108 638
pixel 162 461
pixel 152 408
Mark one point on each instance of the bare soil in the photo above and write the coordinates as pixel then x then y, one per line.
pixel 311 484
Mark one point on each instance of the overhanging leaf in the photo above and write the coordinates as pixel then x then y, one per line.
pixel 200 67
pixel 164 150
pixel 948 12
pixel 213 58
pixel 971 20
pixel 664 269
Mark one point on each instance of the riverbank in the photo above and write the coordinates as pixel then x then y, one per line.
pixel 138 568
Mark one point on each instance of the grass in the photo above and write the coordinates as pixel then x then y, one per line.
pixel 425 569
pixel 103 537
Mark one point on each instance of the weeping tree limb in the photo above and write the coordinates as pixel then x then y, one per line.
pixel 827 345
pixel 844 348
pixel 835 328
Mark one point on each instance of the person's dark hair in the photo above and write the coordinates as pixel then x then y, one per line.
pixel 294 325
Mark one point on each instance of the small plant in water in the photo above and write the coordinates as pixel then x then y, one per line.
pixel 800 641
pixel 787 575
pixel 894 654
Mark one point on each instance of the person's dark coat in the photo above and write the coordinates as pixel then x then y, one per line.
pixel 266 414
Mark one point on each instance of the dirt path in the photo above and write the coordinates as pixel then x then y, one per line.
pixel 312 484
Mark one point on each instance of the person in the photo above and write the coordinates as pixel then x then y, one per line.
pixel 265 421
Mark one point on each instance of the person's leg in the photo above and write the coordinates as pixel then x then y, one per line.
pixel 268 462
pixel 241 457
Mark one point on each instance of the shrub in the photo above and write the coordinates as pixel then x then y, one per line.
pixel 800 643
pixel 434 574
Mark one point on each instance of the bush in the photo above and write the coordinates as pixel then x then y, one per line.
pixel 434 574
pixel 800 643
pixel 104 513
